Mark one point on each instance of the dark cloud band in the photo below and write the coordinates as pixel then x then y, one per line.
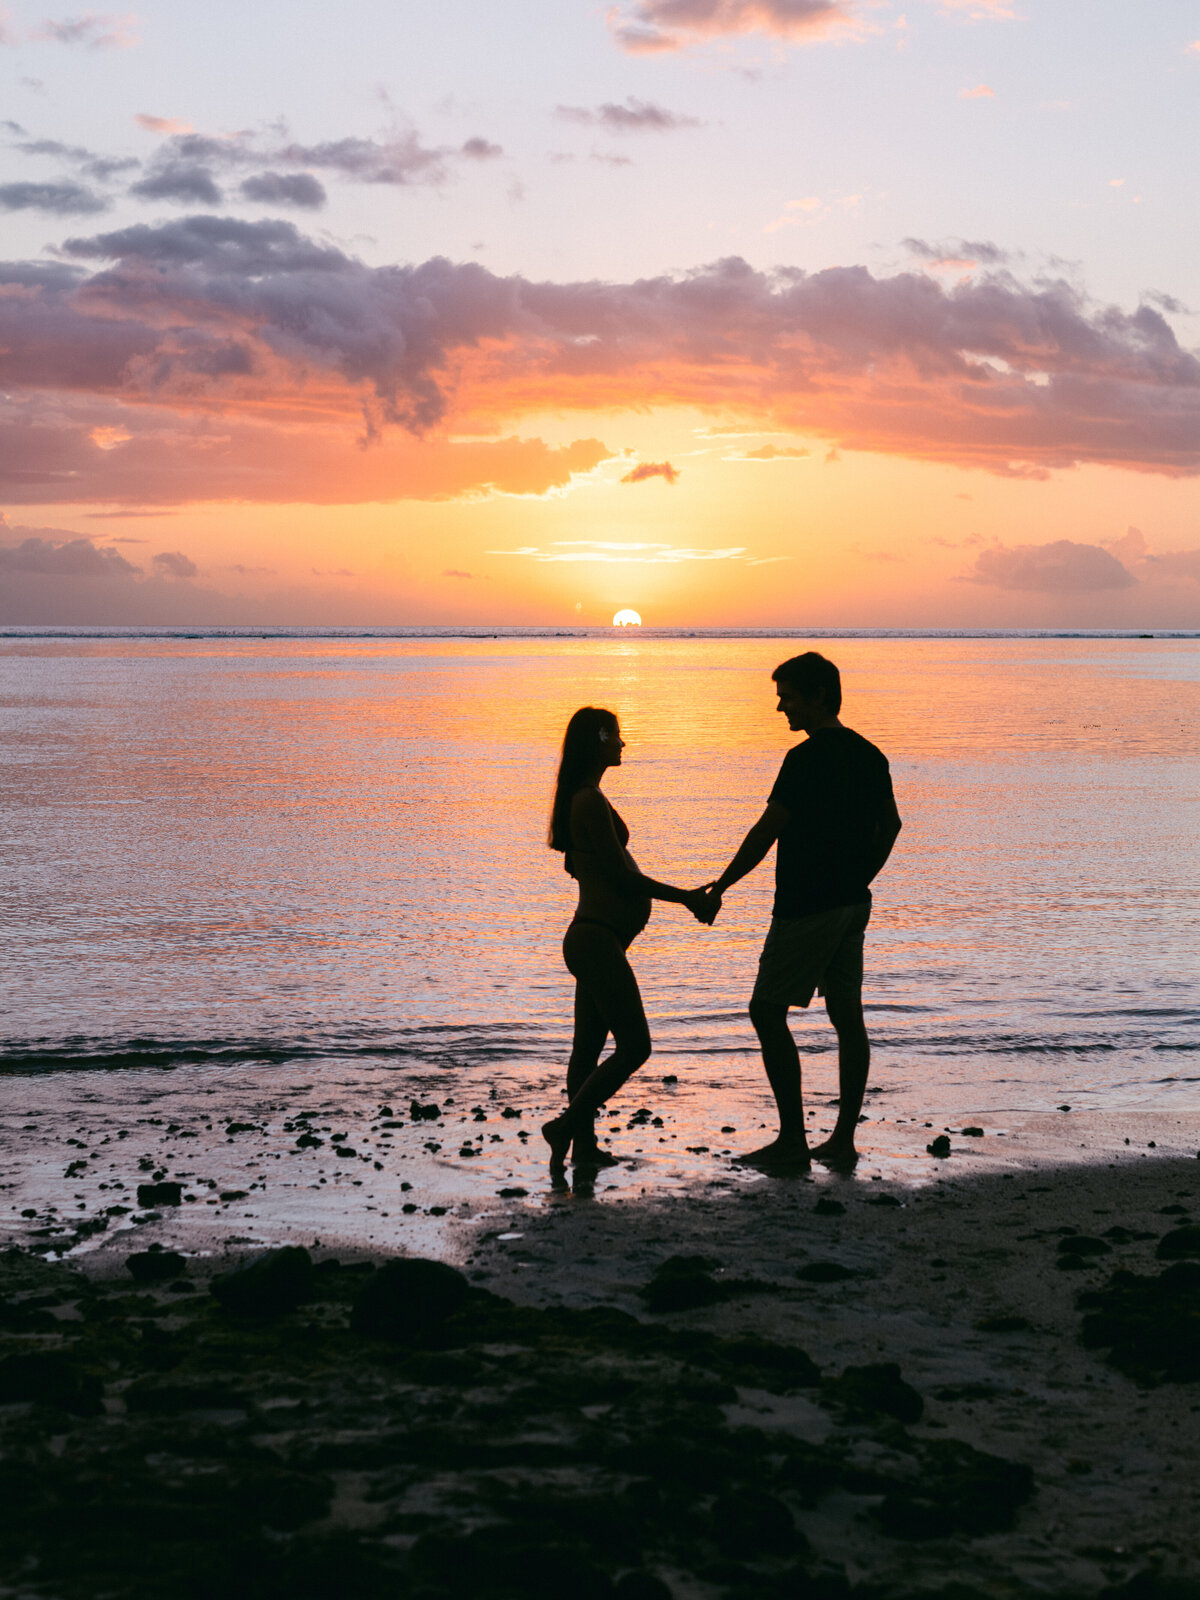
pixel 994 372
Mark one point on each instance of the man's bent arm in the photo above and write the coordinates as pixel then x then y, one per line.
pixel 754 846
pixel 887 831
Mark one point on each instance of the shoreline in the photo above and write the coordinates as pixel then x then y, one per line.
pixel 958 1283
pixel 413 1162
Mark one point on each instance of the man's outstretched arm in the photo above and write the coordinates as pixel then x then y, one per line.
pixel 754 846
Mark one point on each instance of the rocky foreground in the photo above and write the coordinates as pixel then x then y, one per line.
pixel 963 1392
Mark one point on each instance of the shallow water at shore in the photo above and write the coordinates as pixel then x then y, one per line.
pixel 241 866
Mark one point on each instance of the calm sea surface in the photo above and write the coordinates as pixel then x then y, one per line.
pixel 234 861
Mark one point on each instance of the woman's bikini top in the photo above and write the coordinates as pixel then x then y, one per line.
pixel 619 828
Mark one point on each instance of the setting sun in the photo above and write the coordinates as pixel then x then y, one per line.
pixel 627 619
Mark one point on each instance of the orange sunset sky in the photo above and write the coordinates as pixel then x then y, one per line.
pixel 739 312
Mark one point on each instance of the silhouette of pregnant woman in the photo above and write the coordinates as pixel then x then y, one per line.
pixel 614 907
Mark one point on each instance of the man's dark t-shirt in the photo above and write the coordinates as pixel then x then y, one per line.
pixel 837 790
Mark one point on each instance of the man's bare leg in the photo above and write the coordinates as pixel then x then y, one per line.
pixel 854 1063
pixel 782 1062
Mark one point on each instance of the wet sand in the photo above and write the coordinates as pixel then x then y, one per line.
pixel 748 1387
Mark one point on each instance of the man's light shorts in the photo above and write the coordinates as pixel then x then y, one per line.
pixel 822 953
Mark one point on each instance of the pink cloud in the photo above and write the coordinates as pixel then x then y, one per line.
pixel 660 25
pixel 1060 567
pixel 652 469
pixel 174 564
pixel 1065 566
pixel 979 10
pixel 161 124
pixel 773 452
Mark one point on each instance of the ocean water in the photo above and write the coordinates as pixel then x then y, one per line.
pixel 312 868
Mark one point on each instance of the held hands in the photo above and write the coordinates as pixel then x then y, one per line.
pixel 704 903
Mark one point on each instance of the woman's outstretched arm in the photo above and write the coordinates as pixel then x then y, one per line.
pixel 592 819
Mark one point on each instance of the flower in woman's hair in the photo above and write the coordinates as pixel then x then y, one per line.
pixel 603 735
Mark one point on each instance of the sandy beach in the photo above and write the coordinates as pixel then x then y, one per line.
pixel 948 1384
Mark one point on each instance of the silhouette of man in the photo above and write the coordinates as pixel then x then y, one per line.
pixel 834 817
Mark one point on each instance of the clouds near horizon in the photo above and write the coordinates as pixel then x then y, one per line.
pixel 1060 567
pixel 1068 566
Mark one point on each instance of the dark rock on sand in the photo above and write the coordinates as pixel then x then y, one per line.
pixel 1179 1244
pixel 1077 1248
pixel 958 1489
pixel 641 1586
pixel 824 1272
pixel 48 1378
pixel 155 1265
pixel 939 1148
pixel 876 1389
pixel 407 1298
pixel 759 1364
pixel 269 1285
pixel 502 1560
pixel 681 1283
pixel 749 1524
pixel 160 1194
pixel 1151 1325
pixel 829 1208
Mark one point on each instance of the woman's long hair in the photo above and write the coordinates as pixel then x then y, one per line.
pixel 580 750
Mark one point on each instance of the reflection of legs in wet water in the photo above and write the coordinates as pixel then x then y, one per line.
pixel 607 1001
pixel 854 1062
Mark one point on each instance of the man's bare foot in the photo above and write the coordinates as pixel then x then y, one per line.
pixel 781 1155
pixel 558 1136
pixel 591 1155
pixel 836 1153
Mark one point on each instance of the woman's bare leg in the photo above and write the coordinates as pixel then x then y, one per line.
pixel 591 1034
pixel 599 965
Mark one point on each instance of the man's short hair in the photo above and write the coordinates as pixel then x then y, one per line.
pixel 809 673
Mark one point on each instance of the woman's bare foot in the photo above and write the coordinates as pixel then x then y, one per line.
pixel 783 1154
pixel 591 1155
pixel 558 1136
pixel 838 1153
